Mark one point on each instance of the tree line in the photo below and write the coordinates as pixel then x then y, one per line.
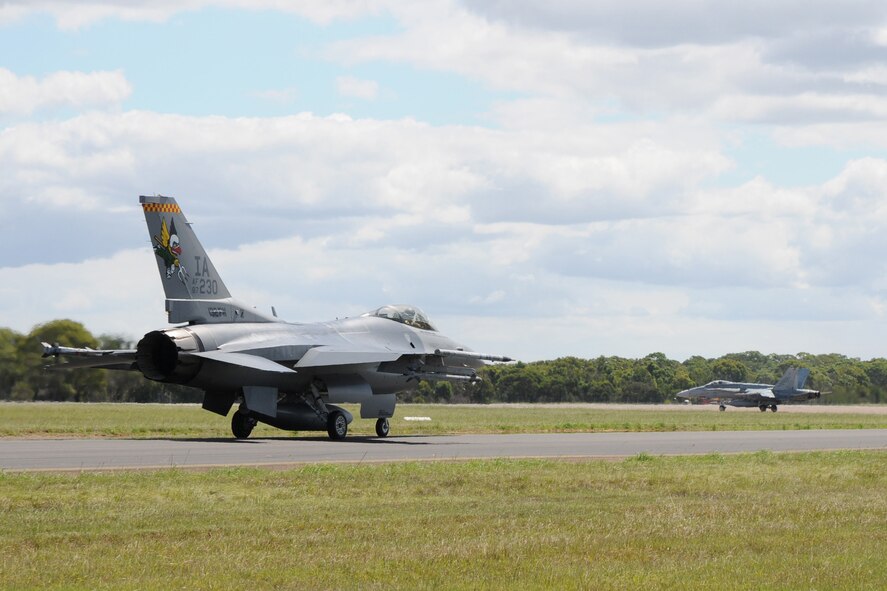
pixel 656 379
pixel 23 376
pixel 651 379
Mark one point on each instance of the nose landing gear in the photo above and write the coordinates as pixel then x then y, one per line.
pixel 383 427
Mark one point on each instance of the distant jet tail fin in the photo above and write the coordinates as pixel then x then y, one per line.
pixel 788 380
pixel 793 379
pixel 194 290
pixel 803 374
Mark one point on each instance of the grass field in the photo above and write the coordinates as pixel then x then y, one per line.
pixel 158 420
pixel 759 521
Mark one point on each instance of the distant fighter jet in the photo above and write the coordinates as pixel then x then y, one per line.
pixel 787 390
pixel 290 376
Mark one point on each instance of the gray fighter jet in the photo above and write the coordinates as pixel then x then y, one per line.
pixel 790 388
pixel 287 375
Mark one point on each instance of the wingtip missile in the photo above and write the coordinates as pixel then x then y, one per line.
pixel 472 355
pixel 50 350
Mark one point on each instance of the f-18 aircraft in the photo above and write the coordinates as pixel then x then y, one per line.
pixel 290 376
pixel 787 390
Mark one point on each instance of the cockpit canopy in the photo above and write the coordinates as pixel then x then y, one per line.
pixel 409 315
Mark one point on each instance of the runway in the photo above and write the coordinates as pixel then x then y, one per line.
pixel 97 454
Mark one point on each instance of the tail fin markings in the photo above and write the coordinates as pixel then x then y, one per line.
pixel 194 290
pixel 177 248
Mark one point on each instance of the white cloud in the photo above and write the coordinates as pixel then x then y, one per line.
pixel 76 15
pixel 108 294
pixel 26 94
pixel 643 59
pixel 337 164
pixel 801 108
pixel 355 87
pixel 329 216
pixel 653 23
pixel 591 218
pixel 810 63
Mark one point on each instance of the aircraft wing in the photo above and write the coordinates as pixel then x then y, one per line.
pixel 324 356
pixel 755 394
pixel 122 359
pixel 442 365
pixel 753 397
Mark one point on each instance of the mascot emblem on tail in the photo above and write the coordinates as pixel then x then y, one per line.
pixel 169 250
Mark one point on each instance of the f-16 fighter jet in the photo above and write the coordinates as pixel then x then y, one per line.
pixel 291 376
pixel 787 390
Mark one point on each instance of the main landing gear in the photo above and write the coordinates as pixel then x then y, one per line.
pixel 722 408
pixel 242 425
pixel 301 417
pixel 764 407
pixel 337 425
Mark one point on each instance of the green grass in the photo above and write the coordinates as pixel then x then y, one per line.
pixel 158 420
pixel 758 521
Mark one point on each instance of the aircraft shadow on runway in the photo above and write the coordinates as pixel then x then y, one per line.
pixel 256 440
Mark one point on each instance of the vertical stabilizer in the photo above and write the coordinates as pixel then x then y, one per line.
pixel 194 291
pixel 803 373
pixel 185 269
pixel 788 380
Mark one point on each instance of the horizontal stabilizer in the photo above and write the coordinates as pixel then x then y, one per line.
pixel 243 360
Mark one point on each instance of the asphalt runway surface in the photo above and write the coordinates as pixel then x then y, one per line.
pixel 97 454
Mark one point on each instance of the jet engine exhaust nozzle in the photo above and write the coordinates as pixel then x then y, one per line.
pixel 157 356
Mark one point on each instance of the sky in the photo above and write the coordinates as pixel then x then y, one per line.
pixel 542 179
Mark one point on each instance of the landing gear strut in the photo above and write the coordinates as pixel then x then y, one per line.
pixel 383 427
pixel 242 425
